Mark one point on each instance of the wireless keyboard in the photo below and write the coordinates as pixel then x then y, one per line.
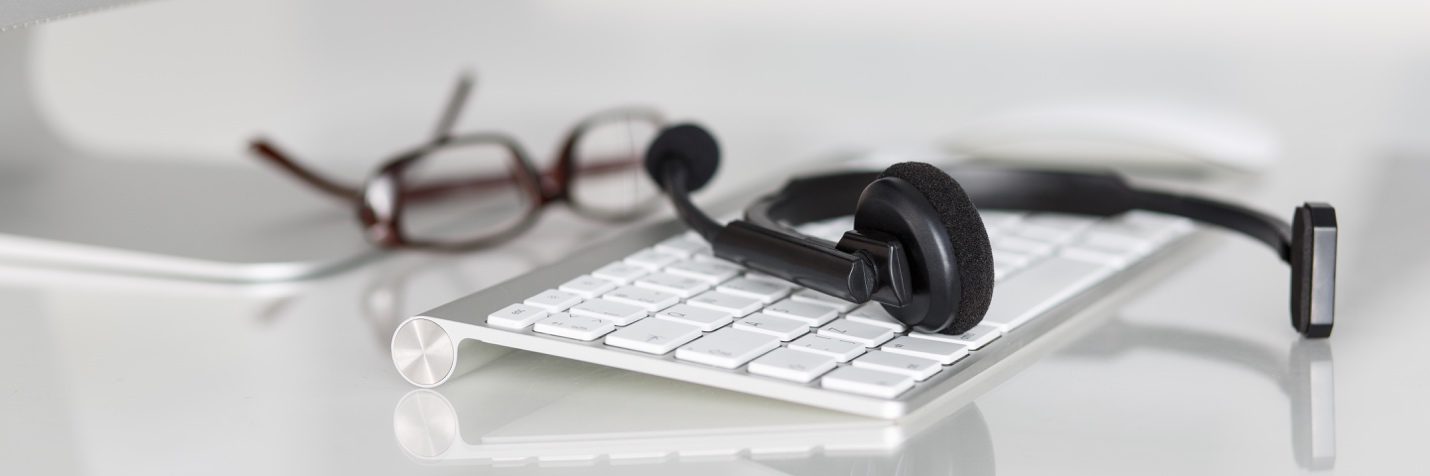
pixel 661 304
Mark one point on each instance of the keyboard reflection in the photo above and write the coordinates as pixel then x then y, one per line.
pixel 530 409
pixel 535 410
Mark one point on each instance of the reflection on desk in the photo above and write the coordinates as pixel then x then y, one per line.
pixel 573 413
pixel 583 414
pixel 1306 375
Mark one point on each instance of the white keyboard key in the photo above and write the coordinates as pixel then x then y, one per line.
pixel 727 348
pixel 811 314
pixel 816 297
pixel 619 313
pixel 1151 228
pixel 1095 256
pixel 621 273
pixel 711 258
pixel 1113 242
pixel 1010 259
pixel 713 272
pixel 737 305
pixel 1022 246
pixel 588 286
pixel 1121 229
pixel 1053 227
pixel 841 350
pixel 998 218
pixel 705 319
pixel 918 368
pixel 1165 226
pixel 869 382
pixel 683 246
pixel 574 327
pixel 1043 234
pixel 1061 221
pixel 867 334
pixel 874 313
pixel 765 291
pixel 1007 262
pixel 944 352
pixel 516 316
pixel 758 276
pixel 683 286
pixel 781 327
pixel 554 301
pixel 792 365
pixel 653 336
pixel 1040 287
pixel 1002 267
pixel 652 259
pixel 977 337
pixel 648 299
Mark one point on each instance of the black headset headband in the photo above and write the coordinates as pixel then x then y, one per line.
pixel 1303 243
pixel 921 250
pixel 820 197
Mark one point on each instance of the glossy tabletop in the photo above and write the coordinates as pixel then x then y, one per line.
pixel 1201 374
pixel 120 375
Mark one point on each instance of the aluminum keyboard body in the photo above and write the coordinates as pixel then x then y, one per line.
pixel 658 303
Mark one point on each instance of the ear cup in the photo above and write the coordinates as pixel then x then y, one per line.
pixel 950 259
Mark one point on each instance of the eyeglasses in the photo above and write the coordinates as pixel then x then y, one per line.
pixel 468 190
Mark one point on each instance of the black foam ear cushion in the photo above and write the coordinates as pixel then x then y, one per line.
pixel 972 253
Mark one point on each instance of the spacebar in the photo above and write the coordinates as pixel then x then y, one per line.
pixel 1029 293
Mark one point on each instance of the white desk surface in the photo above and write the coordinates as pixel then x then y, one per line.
pixel 1202 375
pixel 109 375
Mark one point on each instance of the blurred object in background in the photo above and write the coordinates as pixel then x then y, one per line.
pixel 94 103
pixel 1128 136
pixel 338 79
pixel 23 13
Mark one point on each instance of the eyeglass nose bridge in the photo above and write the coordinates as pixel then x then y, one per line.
pixel 380 210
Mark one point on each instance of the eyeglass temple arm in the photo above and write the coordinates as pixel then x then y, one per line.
pixel 265 149
pixel 453 110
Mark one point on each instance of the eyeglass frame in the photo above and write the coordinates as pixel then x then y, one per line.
pixel 381 199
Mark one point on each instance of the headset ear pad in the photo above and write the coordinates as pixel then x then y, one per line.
pixel 950 259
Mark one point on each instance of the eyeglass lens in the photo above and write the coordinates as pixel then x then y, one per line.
pixel 473 192
pixel 608 178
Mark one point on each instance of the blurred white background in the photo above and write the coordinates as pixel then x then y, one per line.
pixel 346 82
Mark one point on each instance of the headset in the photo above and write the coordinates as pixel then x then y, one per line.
pixel 919 247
